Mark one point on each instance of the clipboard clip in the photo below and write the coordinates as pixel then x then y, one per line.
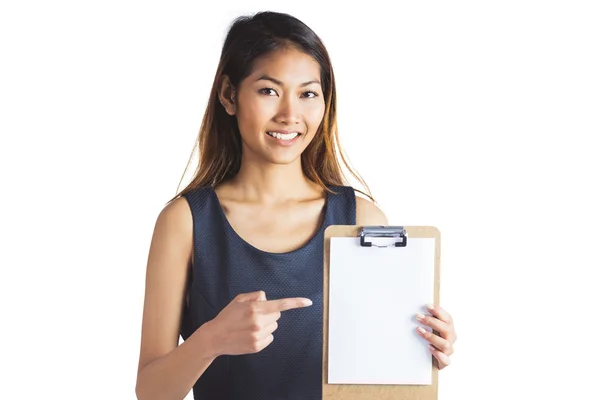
pixel 383 231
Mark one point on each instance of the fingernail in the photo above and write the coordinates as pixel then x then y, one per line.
pixel 308 302
pixel 420 316
pixel 430 306
pixel 431 347
pixel 421 330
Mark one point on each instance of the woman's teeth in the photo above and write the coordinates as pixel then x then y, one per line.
pixel 281 136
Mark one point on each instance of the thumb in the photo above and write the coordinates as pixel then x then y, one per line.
pixel 253 296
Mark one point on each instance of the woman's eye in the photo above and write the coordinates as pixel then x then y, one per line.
pixel 314 94
pixel 266 91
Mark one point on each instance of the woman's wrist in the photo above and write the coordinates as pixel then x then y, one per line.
pixel 206 342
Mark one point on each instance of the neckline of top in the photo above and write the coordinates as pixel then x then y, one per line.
pixel 234 233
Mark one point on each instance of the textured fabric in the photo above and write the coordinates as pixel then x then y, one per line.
pixel 225 265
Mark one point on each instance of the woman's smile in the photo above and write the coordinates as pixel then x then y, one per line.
pixel 283 139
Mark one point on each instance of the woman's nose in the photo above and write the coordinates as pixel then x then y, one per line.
pixel 289 111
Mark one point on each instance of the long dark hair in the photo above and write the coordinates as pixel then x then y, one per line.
pixel 219 141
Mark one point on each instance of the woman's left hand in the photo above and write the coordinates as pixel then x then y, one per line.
pixel 442 345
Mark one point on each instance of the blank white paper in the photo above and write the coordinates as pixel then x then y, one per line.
pixel 374 296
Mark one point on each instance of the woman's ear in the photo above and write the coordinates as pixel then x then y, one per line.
pixel 226 93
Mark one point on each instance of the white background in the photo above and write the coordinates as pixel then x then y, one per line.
pixel 480 118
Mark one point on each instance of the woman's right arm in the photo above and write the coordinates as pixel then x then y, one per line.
pixel 167 370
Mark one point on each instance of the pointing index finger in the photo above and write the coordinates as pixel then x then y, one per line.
pixel 286 304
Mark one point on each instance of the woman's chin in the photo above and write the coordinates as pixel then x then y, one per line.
pixel 283 159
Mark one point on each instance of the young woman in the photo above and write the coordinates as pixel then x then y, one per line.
pixel 235 263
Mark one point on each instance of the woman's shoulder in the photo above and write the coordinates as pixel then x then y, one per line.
pixel 368 213
pixel 176 214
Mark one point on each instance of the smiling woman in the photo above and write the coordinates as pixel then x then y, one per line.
pixel 274 75
pixel 250 225
pixel 294 96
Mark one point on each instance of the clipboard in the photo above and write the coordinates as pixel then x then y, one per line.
pixel 401 237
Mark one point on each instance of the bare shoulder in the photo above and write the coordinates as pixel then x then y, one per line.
pixel 367 213
pixel 167 269
pixel 178 214
pixel 174 225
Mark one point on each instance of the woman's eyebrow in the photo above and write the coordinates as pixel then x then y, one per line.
pixel 278 82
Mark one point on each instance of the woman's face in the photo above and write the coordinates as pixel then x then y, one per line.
pixel 282 94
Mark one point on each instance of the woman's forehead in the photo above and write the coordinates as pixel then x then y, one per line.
pixel 288 66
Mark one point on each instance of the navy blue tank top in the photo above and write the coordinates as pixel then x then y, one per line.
pixel 224 266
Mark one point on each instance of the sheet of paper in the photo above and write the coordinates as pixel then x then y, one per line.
pixel 374 296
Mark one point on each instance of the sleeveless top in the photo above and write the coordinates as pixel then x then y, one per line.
pixel 224 266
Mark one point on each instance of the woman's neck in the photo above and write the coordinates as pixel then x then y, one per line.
pixel 272 183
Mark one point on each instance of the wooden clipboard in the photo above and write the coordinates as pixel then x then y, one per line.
pixel 379 392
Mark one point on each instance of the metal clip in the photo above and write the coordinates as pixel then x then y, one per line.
pixel 383 231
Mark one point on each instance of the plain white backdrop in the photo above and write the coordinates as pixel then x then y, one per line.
pixel 480 118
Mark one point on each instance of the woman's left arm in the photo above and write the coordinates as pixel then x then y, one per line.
pixel 443 337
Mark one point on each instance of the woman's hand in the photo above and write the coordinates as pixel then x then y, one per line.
pixel 442 345
pixel 246 325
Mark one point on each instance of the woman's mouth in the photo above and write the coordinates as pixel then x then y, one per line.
pixel 284 139
pixel 283 136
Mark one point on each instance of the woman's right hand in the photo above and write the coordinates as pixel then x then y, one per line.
pixel 246 325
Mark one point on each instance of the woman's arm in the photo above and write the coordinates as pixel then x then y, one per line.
pixel 168 371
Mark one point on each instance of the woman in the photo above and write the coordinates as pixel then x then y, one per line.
pixel 235 263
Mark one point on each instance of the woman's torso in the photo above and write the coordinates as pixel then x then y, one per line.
pixel 225 265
